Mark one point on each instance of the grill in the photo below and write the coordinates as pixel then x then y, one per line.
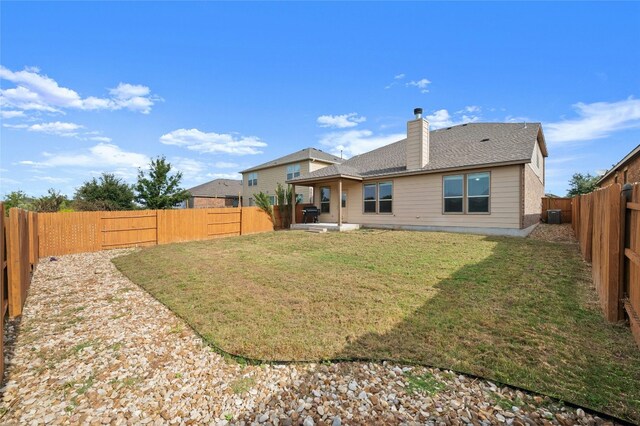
pixel 310 214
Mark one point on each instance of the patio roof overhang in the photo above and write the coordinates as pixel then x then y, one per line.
pixel 311 181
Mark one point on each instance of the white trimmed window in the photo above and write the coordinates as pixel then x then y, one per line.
pixel 293 171
pixel 453 194
pixel 252 179
pixel 325 199
pixel 385 197
pixel 370 197
pixel 478 189
pixel 377 197
pixel 469 193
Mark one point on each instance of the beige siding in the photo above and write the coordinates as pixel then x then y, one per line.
pixel 537 162
pixel 268 179
pixel 533 193
pixel 417 200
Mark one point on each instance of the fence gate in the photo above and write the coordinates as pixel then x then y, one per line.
pixel 127 229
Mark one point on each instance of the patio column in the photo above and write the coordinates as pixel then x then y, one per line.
pixel 293 204
pixel 339 202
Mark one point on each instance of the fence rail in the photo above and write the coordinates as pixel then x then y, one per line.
pixel 607 225
pixel 77 232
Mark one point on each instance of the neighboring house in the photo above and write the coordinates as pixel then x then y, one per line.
pixel 482 177
pixel 626 171
pixel 265 177
pixel 217 193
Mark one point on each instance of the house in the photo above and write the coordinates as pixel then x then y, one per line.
pixel 479 177
pixel 626 171
pixel 265 177
pixel 216 193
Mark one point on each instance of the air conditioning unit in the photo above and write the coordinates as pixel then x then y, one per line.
pixel 554 217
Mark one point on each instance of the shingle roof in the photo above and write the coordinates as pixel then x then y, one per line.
pixel 304 154
pixel 217 188
pixel 620 163
pixel 465 145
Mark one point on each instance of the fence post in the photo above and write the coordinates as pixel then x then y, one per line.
pixel 625 241
pixel 14 267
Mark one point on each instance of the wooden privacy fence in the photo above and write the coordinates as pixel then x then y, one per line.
pixel 18 257
pixel 77 232
pixel 563 204
pixel 607 225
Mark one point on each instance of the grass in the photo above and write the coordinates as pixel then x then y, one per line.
pixel 516 311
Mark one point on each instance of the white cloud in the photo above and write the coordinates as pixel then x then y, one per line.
pixel 56 128
pixel 226 165
pixel 596 120
pixel 340 121
pixel 100 139
pixel 15 126
pixel 38 92
pixel 51 179
pixel 354 142
pixel 191 169
pixel 399 76
pixel 470 109
pixel 196 140
pixel 103 154
pixel 420 84
pixel 11 114
pixel 441 118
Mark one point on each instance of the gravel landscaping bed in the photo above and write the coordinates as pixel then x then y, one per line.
pixel 92 347
pixel 554 233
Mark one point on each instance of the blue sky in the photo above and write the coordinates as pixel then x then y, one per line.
pixel 218 87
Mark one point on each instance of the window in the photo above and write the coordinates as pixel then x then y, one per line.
pixel 378 197
pixel 344 199
pixel 272 200
pixel 253 179
pixel 370 198
pixel 299 198
pixel 293 171
pixel 385 197
pixel 325 199
pixel 478 192
pixel 453 193
pixel 251 203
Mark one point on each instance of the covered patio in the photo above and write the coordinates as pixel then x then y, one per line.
pixel 331 196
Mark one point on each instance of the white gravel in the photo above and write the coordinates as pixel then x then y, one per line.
pixel 94 348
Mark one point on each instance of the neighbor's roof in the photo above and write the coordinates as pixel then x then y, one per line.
pixel 465 145
pixel 304 154
pixel 621 163
pixel 218 188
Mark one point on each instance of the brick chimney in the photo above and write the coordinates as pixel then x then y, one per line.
pixel 417 141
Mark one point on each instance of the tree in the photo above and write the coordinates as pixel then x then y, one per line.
pixel 160 190
pixel 17 199
pixel 263 202
pixel 107 193
pixel 52 202
pixel 582 184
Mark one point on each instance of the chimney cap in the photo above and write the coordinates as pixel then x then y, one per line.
pixel 417 111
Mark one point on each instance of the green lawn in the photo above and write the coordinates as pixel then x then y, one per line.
pixel 517 311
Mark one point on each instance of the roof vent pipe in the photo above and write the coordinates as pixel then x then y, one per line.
pixel 418 113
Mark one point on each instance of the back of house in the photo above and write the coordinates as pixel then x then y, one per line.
pixel 476 177
pixel 266 177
